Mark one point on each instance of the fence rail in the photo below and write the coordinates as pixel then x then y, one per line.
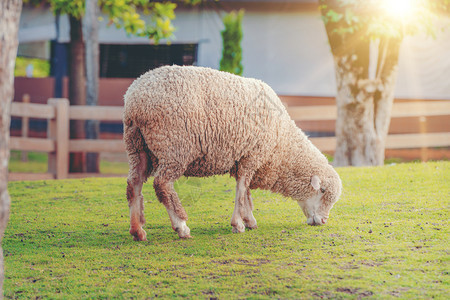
pixel 404 109
pixel 58 145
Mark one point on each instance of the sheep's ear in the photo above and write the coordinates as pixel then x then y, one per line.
pixel 315 182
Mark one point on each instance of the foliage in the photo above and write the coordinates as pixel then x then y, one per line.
pixel 127 14
pixel 387 237
pixel 123 14
pixel 41 67
pixel 374 19
pixel 232 37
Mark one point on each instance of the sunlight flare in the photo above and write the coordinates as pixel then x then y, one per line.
pixel 399 8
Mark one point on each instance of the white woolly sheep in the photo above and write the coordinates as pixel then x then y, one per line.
pixel 195 121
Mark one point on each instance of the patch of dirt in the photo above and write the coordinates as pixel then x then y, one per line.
pixel 299 271
pixel 370 263
pixel 222 262
pixel 255 263
pixel 398 292
pixel 335 235
pixel 349 267
pixel 209 292
pixel 324 295
pixel 240 261
pixel 356 291
pixel 365 294
pixel 347 290
pixel 269 292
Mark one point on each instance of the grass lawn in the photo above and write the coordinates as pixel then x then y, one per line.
pixel 388 237
pixel 38 163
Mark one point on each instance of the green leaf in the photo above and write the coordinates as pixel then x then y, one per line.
pixel 334 16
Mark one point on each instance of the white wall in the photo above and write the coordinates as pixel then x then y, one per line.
pixel 424 67
pixel 36 25
pixel 290 52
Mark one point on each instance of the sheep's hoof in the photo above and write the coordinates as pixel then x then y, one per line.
pixel 238 228
pixel 183 232
pixel 139 235
pixel 251 227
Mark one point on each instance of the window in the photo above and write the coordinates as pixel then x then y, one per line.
pixel 131 61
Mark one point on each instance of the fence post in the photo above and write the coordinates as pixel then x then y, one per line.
pixel 25 126
pixel 423 130
pixel 58 130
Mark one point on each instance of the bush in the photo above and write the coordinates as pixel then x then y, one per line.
pixel 41 67
pixel 232 37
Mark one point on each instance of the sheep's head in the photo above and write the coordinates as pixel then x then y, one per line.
pixel 325 192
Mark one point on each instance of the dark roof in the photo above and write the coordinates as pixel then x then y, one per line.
pixel 273 1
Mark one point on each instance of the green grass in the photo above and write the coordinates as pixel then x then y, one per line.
pixel 387 237
pixel 41 67
pixel 37 163
pixel 112 167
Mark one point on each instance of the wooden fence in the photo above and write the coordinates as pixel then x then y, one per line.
pixel 58 145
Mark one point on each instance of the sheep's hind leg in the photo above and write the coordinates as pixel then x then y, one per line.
pixel 239 206
pixel 168 196
pixel 249 219
pixel 138 174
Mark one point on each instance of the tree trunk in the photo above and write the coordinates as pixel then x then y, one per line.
pixel 364 107
pixel 9 26
pixel 356 140
pixel 90 27
pixel 77 90
pixel 364 93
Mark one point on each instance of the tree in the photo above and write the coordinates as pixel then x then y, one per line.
pixel 122 14
pixel 90 26
pixel 9 26
pixel 77 91
pixel 232 37
pixel 358 32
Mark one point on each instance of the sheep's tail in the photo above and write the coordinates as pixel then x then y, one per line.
pixel 137 149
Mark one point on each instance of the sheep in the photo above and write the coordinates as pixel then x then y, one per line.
pixel 195 121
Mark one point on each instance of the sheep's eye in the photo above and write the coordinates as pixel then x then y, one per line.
pixel 322 190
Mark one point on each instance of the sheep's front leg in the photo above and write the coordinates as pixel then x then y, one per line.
pixel 168 196
pixel 249 219
pixel 136 178
pixel 239 206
